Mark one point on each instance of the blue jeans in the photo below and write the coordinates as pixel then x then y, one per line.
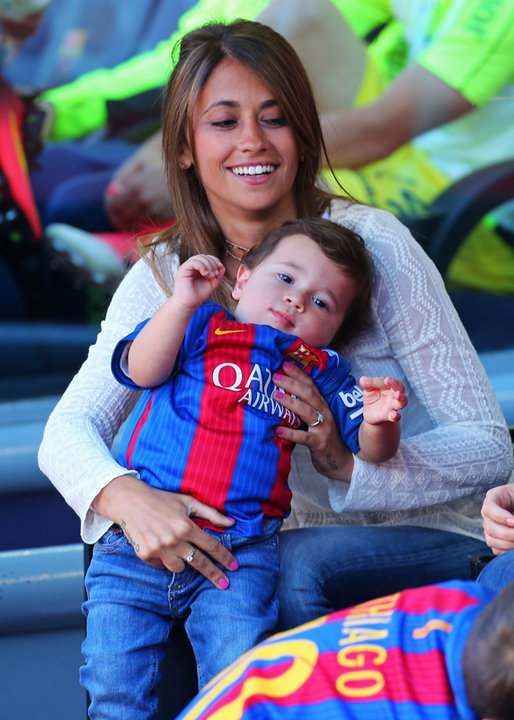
pixel 131 607
pixel 499 572
pixel 328 568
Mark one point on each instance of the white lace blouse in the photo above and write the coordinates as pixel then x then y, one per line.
pixel 455 444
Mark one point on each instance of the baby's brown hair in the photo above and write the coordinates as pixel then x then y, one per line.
pixel 488 659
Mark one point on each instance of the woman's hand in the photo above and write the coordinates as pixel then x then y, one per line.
pixel 159 527
pixel 330 455
pixel 497 512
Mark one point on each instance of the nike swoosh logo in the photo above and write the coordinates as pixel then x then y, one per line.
pixel 226 332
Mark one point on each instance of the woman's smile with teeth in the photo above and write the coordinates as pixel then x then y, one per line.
pixel 253 169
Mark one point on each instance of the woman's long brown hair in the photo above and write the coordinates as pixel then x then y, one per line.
pixel 273 60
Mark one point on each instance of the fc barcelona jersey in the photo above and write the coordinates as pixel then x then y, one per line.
pixel 395 658
pixel 209 430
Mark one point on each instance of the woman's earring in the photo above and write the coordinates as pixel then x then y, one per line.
pixel 185 160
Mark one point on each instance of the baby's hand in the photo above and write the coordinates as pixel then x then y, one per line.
pixel 196 280
pixel 383 398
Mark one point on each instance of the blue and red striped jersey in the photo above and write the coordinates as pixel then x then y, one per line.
pixel 209 430
pixel 398 657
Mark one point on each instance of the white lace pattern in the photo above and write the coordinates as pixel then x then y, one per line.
pixel 455 444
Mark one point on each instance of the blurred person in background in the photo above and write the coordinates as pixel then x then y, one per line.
pixel 425 102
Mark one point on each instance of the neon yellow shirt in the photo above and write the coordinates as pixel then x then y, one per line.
pixel 81 106
pixel 467 43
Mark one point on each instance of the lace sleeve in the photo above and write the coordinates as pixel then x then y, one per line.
pixel 454 438
pixel 75 451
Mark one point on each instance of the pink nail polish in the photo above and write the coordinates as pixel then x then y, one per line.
pixel 278 376
pixel 279 394
pixel 280 431
pixel 234 565
pixel 288 365
pixel 223 584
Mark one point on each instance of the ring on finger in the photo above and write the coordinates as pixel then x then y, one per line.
pixel 318 421
pixel 189 558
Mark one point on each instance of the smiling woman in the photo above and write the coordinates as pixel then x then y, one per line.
pixel 248 160
pixel 250 112
pixel 239 103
